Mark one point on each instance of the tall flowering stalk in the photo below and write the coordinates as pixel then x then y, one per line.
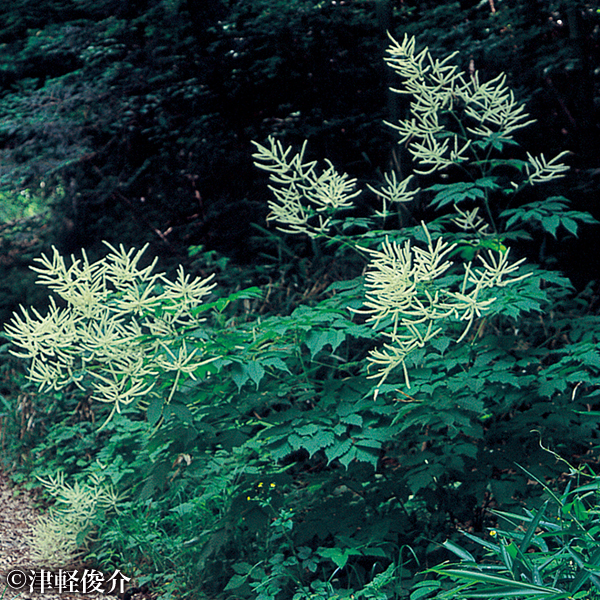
pixel 413 293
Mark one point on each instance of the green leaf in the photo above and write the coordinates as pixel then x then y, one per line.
pixel 454 193
pixel 295 441
pixel 181 411
pixel 550 214
pixel 276 363
pixel 307 429
pixel 367 455
pixel 235 582
pixel 523 587
pixel 352 419
pixel 489 545
pixel 339 429
pixel 323 439
pixel 532 527
pixel 242 568
pixel 338 555
pixel 520 165
pixel 280 449
pixel 424 588
pixel 570 225
pixel 6 403
pixel 239 375
pixel 418 480
pixel 154 411
pixel 441 343
pixel 550 386
pixel 460 552
pixel 316 340
pixel 339 448
pixel 367 442
pixel 348 457
pixel 256 371
pixel 550 224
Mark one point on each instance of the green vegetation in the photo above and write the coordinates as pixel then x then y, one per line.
pixel 551 553
pixel 350 372
pixel 221 441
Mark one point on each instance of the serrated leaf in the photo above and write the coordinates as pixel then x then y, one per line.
pixel 255 370
pixel 351 284
pixel 236 581
pixel 550 386
pixel 352 419
pixel 366 455
pixel 472 403
pixel 239 375
pixel 280 450
pixel 489 183
pixel 454 193
pixel 550 224
pixel 181 411
pixel 348 457
pixel 570 225
pixel 441 344
pixel 276 363
pixel 419 480
pixel 367 442
pixel 590 358
pixel 316 340
pixel 307 429
pixel 339 429
pixel 337 449
pixel 317 442
pixel 505 377
pixel 520 165
pixel 295 441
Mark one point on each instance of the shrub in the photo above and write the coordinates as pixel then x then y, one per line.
pixel 301 454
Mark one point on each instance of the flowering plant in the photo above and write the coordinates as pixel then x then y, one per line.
pixel 121 329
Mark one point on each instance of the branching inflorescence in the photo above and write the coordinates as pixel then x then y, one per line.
pixel 455 120
pixel 403 289
pixel 304 201
pixel 61 534
pixel 120 330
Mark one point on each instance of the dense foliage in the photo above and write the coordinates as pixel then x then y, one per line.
pixel 291 454
pixel 396 359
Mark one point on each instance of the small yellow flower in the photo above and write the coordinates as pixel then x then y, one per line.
pixel 271 485
pixel 493 533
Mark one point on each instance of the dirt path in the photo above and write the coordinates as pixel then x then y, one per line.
pixel 17 516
